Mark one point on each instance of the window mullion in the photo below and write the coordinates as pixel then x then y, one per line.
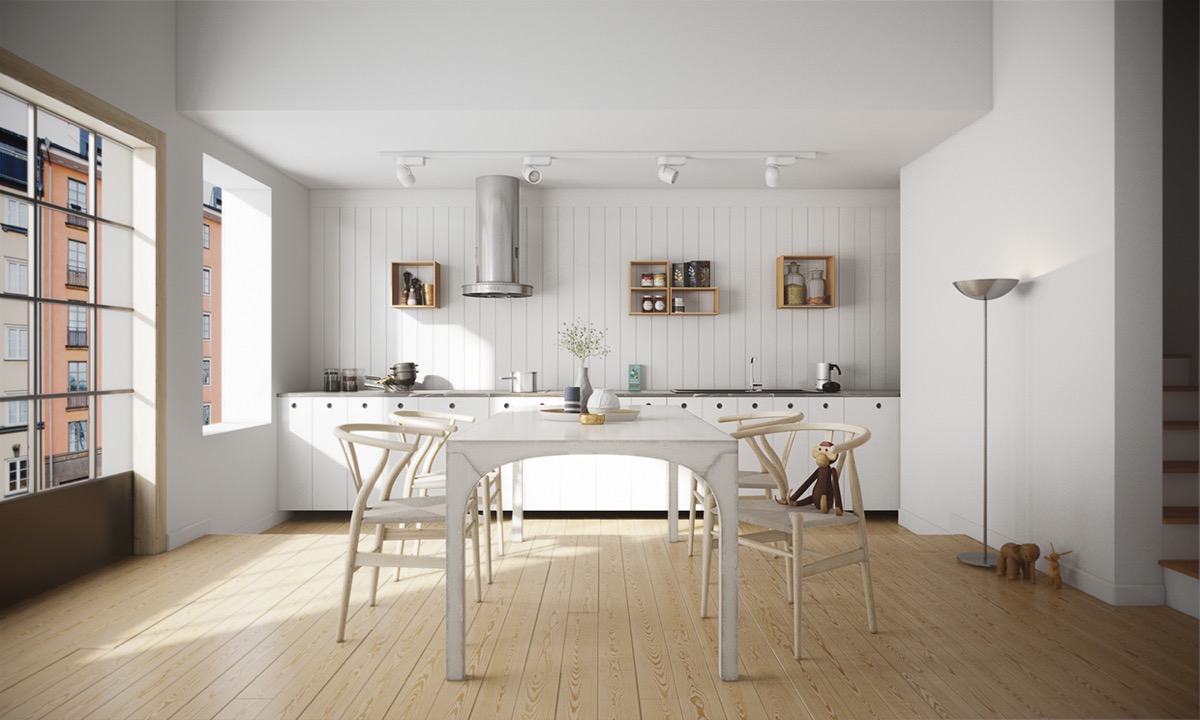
pixel 93 297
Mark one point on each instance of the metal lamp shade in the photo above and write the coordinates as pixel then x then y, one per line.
pixel 986 288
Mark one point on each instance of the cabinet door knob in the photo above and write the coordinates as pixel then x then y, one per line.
pixel 720 405
pixel 364 406
pixel 293 406
pixel 825 405
pixel 505 406
pixel 683 405
pixel 451 406
pixel 790 405
pixel 400 406
pixel 754 406
pixel 878 406
pixel 329 405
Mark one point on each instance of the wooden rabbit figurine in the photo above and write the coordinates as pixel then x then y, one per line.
pixel 1054 572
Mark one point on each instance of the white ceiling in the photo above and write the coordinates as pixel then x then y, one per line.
pixel 325 90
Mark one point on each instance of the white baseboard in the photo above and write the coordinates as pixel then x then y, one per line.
pixel 264 524
pixel 918 525
pixel 1183 592
pixel 183 536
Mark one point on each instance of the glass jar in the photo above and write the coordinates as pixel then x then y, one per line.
pixel 647 279
pixel 816 287
pixel 333 380
pixel 647 303
pixel 660 303
pixel 660 279
pixel 793 285
pixel 349 379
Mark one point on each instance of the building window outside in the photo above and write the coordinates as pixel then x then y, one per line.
pixel 76 200
pixel 18 476
pixel 207 371
pixel 16 276
pixel 16 342
pixel 17 215
pixel 77 382
pixel 77 263
pixel 77 436
pixel 17 413
pixel 206 281
pixel 206 414
pixel 204 229
pixel 77 327
pixel 206 326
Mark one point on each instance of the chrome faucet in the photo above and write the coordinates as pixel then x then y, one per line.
pixel 754 383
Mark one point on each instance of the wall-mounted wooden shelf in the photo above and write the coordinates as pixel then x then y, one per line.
pixel 697 300
pixel 827 264
pixel 429 272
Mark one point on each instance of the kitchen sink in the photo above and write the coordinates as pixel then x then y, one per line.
pixel 745 391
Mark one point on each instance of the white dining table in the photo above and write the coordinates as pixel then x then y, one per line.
pixel 664 432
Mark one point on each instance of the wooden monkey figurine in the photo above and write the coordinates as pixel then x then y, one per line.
pixel 826 494
pixel 1054 572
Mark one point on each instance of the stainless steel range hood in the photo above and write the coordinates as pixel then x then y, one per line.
pixel 496 240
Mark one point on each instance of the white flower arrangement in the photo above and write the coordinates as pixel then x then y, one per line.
pixel 583 340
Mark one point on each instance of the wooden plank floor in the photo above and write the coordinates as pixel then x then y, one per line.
pixel 588 618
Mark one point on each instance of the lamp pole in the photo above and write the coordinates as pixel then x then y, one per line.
pixel 986 289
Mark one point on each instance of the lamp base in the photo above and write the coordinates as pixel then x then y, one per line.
pixel 978 559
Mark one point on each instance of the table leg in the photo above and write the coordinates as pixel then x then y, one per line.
pixel 673 502
pixel 518 502
pixel 457 491
pixel 723 486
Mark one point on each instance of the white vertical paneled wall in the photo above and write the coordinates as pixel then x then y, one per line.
pixel 575 251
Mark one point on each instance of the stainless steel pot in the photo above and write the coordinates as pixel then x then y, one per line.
pixel 522 381
pixel 404 374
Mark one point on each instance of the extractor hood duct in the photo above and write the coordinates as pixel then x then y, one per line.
pixel 496 239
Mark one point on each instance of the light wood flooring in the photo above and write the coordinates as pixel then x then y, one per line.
pixel 590 619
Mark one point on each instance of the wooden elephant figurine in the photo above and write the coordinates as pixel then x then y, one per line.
pixel 1009 562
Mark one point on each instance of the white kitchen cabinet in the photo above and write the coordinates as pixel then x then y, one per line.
pixel 826 409
pixel 879 460
pixel 542 486
pixel 294 454
pixel 330 478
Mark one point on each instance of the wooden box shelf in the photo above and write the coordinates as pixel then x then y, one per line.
pixel 429 272
pixel 825 263
pixel 697 300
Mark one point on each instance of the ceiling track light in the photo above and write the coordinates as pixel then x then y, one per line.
pixel 533 175
pixel 772 174
pixel 668 168
pixel 404 172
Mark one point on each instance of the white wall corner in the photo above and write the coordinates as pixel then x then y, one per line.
pixel 182 536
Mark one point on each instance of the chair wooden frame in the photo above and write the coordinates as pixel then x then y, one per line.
pixel 422 478
pixel 399 519
pixel 747 479
pixel 788 522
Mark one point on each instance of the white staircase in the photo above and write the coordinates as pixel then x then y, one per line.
pixel 1181 486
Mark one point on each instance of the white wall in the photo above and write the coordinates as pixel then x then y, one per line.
pixel 124 53
pixel 576 248
pixel 1031 191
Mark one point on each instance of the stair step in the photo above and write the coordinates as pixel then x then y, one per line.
pixel 1181 515
pixel 1181 388
pixel 1190 568
pixel 1181 425
pixel 1187 467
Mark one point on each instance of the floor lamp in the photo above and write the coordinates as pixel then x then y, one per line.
pixel 985 289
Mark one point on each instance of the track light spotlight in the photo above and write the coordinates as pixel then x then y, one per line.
pixel 668 168
pixel 404 170
pixel 533 175
pixel 772 175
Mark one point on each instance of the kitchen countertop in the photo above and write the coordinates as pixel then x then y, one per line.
pixel 621 393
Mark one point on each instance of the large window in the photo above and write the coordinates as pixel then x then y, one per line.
pixel 207 370
pixel 206 326
pixel 76 200
pixel 16 413
pixel 77 327
pixel 77 382
pixel 206 281
pixel 16 215
pixel 205 235
pixel 77 436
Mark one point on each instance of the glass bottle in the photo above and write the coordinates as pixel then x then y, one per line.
pixel 793 285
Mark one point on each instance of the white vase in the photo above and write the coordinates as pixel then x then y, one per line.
pixel 585 387
pixel 604 401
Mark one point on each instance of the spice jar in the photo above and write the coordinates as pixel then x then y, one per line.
pixel 647 303
pixel 793 285
pixel 647 279
pixel 660 279
pixel 660 303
